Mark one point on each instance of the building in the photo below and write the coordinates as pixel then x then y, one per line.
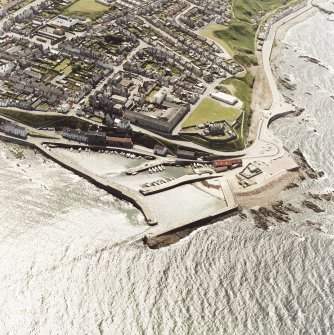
pixel 165 121
pixel 12 129
pixel 228 99
pixel 160 150
pixel 122 124
pixel 226 163
pixel 96 137
pixel 75 135
pixel 186 154
pixel 6 67
pixel 160 96
pixel 124 142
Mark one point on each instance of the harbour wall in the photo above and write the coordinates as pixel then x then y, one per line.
pixel 278 116
pixel 110 187
pixel 164 239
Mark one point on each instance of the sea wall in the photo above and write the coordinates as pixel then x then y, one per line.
pixel 279 115
pixel 173 236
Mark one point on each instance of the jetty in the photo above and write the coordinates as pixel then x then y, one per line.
pixel 148 165
pixel 187 179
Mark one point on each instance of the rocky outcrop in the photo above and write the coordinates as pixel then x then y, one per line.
pixel 264 217
pixel 305 166
pixel 310 59
pixel 298 111
pixel 315 208
pixel 290 186
pixel 329 196
pixel 290 208
pixel 285 83
pixel 314 60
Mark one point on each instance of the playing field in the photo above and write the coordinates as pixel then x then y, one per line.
pixel 85 8
pixel 210 110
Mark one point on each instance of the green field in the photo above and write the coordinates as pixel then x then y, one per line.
pixel 240 34
pixel 245 10
pixel 243 88
pixel 209 31
pixel 85 8
pixel 45 120
pixel 210 110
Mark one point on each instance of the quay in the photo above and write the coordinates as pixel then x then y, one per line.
pixel 187 179
pixel 147 165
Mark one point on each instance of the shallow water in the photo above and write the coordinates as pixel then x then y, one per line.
pixel 71 262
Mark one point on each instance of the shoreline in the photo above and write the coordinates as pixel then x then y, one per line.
pixel 283 29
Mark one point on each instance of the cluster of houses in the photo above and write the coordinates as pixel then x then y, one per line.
pixel 205 12
pixel 97 138
pixel 201 50
pixel 139 63
pixel 265 28
pixel 12 129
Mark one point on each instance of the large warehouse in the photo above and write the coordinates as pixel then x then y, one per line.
pixel 229 99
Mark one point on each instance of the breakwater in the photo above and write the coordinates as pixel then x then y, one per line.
pixel 160 240
pixel 115 189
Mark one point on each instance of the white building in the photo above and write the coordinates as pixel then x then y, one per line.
pixel 228 99
pixel 10 128
pixel 75 135
pixel 6 67
pixel 160 96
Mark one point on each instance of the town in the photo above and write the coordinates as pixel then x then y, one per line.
pixel 150 80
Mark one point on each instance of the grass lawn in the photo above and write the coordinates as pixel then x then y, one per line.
pixel 209 31
pixel 85 8
pixel 244 10
pixel 45 120
pixel 240 34
pixel 210 110
pixel 61 66
pixel 243 88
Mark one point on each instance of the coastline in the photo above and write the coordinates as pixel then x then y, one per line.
pixel 285 27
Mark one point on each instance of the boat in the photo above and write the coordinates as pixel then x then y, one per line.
pixel 150 170
pixel 160 168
